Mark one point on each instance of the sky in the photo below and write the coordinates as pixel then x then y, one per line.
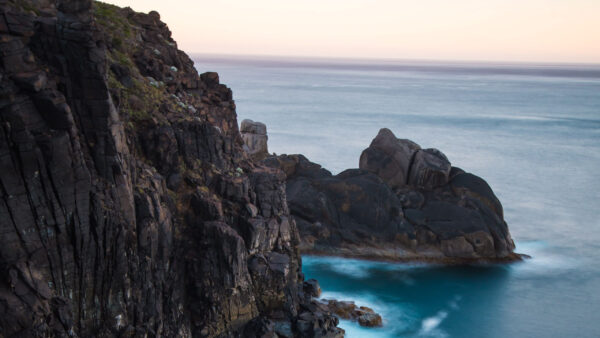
pixel 483 30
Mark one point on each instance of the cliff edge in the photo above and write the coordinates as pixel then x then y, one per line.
pixel 127 205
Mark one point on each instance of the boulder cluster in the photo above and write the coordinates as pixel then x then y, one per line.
pixel 365 316
pixel 404 203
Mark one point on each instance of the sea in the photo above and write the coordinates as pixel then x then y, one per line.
pixel 532 131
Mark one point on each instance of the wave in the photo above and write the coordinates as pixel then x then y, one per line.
pixel 429 325
pixel 545 260
pixel 357 268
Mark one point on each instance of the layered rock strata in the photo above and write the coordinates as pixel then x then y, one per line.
pixel 127 205
pixel 403 203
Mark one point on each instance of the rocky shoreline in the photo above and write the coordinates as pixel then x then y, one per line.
pixel 131 204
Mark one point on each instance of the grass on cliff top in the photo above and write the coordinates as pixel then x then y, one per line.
pixel 110 17
pixel 121 46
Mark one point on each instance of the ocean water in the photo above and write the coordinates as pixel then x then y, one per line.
pixel 532 131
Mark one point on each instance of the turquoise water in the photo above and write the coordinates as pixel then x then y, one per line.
pixel 532 131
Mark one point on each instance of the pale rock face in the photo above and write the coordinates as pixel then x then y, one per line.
pixel 255 138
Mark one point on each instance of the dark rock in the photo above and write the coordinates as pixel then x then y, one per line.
pixel 430 169
pixel 405 203
pixel 312 288
pixel 174 181
pixel 469 185
pixel 33 81
pixel 210 78
pixel 123 74
pixel 128 208
pixel 389 158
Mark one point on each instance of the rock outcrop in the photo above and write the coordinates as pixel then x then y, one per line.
pixel 365 316
pixel 255 139
pixel 127 205
pixel 404 203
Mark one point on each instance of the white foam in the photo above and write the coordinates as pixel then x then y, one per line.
pixel 544 260
pixel 429 324
pixel 355 268
pixel 358 299
pixel 350 268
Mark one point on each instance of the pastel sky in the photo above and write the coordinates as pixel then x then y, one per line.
pixel 492 30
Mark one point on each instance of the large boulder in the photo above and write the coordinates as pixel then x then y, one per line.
pixel 430 168
pixel 389 158
pixel 255 138
pixel 401 162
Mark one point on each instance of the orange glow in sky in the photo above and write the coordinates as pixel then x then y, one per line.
pixel 492 30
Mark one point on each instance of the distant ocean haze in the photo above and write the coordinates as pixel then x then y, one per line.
pixel 531 131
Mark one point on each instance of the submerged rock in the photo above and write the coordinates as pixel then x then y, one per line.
pixel 404 203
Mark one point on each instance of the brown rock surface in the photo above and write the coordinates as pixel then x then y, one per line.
pixel 348 310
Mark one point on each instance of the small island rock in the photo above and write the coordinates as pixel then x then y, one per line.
pixel 404 203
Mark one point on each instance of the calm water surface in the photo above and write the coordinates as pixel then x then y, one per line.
pixel 533 132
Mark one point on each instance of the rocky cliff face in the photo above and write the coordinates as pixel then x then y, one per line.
pixel 127 205
pixel 404 203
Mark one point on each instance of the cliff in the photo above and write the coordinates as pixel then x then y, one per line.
pixel 127 205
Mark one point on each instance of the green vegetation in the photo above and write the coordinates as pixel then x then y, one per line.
pixel 108 16
pixel 142 99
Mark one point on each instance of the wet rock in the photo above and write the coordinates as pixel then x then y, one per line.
pixel 348 310
pixel 370 320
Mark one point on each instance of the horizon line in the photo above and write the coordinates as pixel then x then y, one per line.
pixel 308 58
